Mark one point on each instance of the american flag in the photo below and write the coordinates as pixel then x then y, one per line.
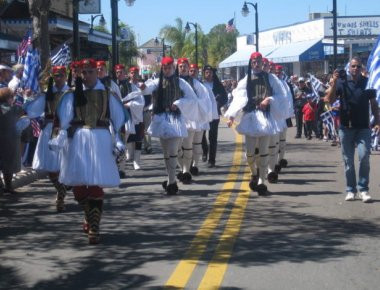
pixel 328 120
pixel 36 127
pixel 373 67
pixel 62 57
pixel 22 48
pixel 230 25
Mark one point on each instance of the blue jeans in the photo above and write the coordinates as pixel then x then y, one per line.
pixel 361 138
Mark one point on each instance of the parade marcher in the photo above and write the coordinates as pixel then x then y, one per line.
pixel 134 102
pixel 281 162
pixel 173 100
pixel 10 156
pixel 15 82
pixel 300 94
pixel 197 142
pixel 261 97
pixel 147 117
pixel 107 81
pixel 90 118
pixel 46 159
pixel 5 75
pixel 354 130
pixel 74 73
pixel 281 126
pixel 219 94
pixel 122 82
pixel 185 152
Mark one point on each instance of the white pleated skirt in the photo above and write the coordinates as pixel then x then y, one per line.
pixel 89 160
pixel 257 124
pixel 167 125
pixel 44 158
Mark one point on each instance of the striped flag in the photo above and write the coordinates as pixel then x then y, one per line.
pixel 316 85
pixel 36 128
pixel 62 57
pixel 373 67
pixel 328 120
pixel 230 25
pixel 32 68
pixel 22 48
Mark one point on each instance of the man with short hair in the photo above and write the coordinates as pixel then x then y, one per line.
pixel 5 75
pixel 18 70
pixel 300 94
pixel 354 128
pixel 219 99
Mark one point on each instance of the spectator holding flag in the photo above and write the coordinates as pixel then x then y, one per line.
pixel 354 125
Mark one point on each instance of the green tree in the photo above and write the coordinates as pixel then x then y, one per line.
pixel 128 48
pixel 221 44
pixel 189 47
pixel 175 36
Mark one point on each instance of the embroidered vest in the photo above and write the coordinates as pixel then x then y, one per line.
pixel 171 92
pixel 260 89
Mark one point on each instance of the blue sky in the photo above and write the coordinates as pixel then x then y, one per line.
pixel 146 17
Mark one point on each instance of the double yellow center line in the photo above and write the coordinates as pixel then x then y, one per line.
pixel 218 265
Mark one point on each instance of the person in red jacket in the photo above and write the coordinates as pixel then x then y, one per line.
pixel 308 111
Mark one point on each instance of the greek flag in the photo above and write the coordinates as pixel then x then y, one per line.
pixel 328 120
pixel 373 67
pixel 62 57
pixel 32 69
pixel 316 85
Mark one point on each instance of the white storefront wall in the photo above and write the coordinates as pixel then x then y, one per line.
pixel 354 29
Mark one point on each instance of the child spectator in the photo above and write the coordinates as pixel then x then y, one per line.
pixel 308 111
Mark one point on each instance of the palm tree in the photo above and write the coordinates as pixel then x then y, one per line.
pixel 176 36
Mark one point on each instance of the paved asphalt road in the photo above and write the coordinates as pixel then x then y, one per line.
pixel 214 234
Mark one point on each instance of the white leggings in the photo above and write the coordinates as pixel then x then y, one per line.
pixel 197 147
pixel 170 150
pixel 281 150
pixel 273 151
pixel 185 152
pixel 259 160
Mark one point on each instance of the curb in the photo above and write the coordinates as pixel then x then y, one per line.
pixel 27 177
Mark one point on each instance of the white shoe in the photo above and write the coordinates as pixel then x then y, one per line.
pixel 350 196
pixel 364 196
pixel 136 160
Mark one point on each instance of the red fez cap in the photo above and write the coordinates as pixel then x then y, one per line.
pixel 256 55
pixel 265 60
pixel 182 60
pixel 57 70
pixel 279 67
pixel 100 63
pixel 134 69
pixel 167 60
pixel 74 64
pixel 119 66
pixel 88 63
pixel 194 65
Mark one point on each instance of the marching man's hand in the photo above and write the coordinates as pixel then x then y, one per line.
pixel 230 122
pixel 264 104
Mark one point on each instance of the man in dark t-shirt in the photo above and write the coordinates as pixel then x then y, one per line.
pixel 354 125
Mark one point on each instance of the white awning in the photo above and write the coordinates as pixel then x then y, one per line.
pixel 292 52
pixel 241 57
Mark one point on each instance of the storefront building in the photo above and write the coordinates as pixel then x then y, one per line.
pixel 307 46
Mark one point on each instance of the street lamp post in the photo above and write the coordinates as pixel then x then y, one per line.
pixel 187 29
pixel 156 41
pixel 102 21
pixel 76 49
pixel 335 37
pixel 245 12
pixel 115 28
